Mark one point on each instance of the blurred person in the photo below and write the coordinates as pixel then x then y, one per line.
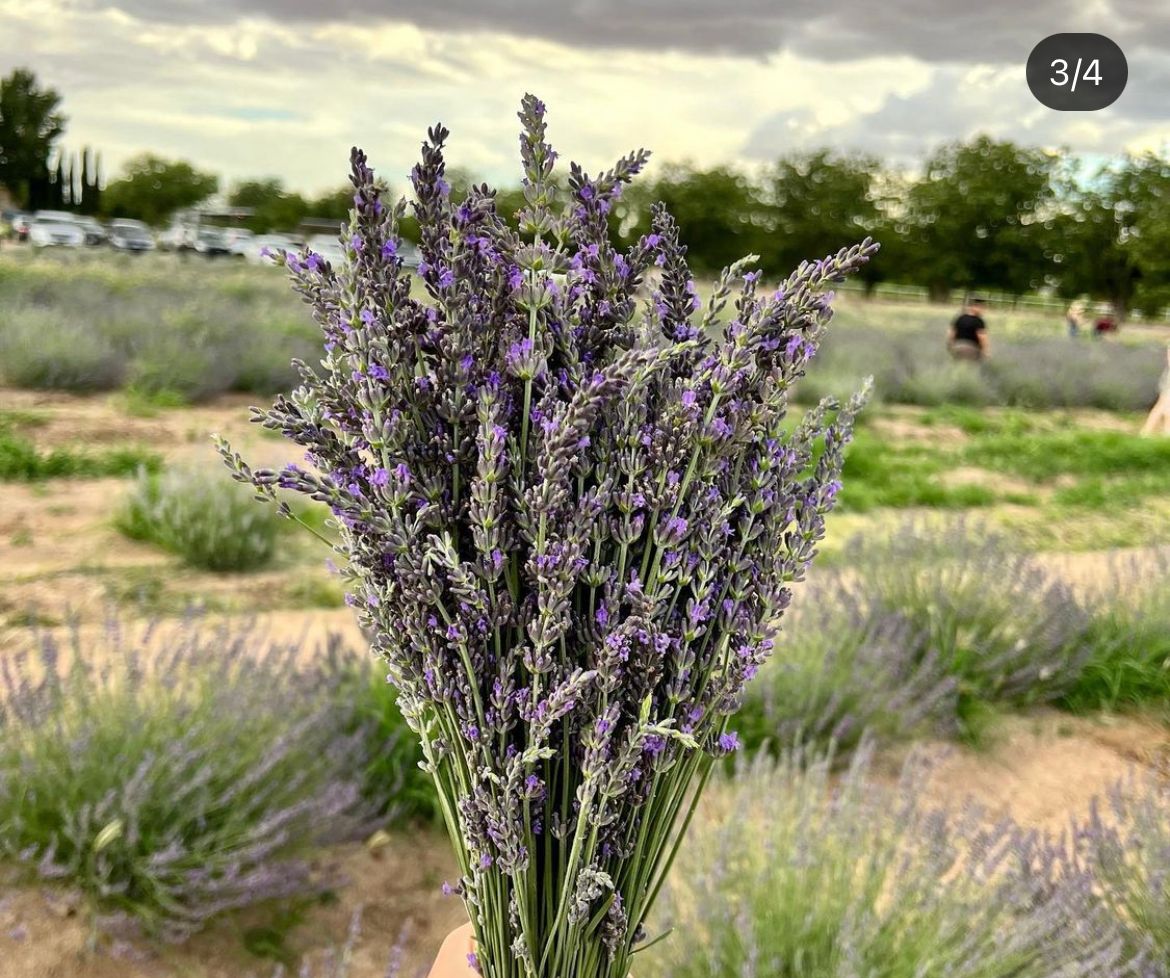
pixel 1075 317
pixel 1106 322
pixel 1158 421
pixel 968 335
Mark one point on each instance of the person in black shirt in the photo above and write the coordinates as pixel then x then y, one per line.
pixel 968 336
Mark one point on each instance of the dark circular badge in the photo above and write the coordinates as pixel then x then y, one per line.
pixel 1077 72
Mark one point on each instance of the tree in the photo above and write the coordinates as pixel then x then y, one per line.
pixel 96 189
pixel 719 213
pixel 817 203
pixel 153 188
pixel 30 124
pixel 57 187
pixel 976 217
pixel 1115 236
pixel 273 208
pixel 334 205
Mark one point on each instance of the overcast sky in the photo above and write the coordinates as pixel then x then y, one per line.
pixel 285 87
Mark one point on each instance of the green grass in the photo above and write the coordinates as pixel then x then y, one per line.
pixel 22 461
pixel 1043 456
pixel 879 475
pixel 1065 470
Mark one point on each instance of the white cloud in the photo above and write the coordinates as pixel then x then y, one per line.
pixel 244 93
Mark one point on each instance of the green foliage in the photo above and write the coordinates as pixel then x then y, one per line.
pixel 1129 634
pixel 169 772
pixel 974 218
pixel 819 201
pixel 22 461
pixel 204 517
pixel 1115 232
pixel 793 871
pixel 30 123
pixel 152 188
pixel 274 208
pixel 719 213
pixel 392 783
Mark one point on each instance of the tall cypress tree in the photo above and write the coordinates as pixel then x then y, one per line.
pixel 57 184
pixel 95 191
pixel 83 202
pixel 67 186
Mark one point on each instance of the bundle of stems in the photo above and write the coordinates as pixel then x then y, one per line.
pixel 571 507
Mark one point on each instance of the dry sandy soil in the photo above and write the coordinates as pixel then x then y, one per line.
pixel 60 556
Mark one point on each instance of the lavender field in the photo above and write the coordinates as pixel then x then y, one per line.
pixel 954 764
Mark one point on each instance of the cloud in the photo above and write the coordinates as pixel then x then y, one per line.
pixel 959 102
pixel 255 87
pixel 988 32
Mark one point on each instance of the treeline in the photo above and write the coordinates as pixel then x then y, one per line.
pixel 981 214
pixel 976 215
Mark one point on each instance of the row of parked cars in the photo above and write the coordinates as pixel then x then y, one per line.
pixel 60 229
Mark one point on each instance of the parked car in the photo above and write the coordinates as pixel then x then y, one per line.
pixel 327 246
pixel 237 239
pixel 94 233
pixel 211 242
pixel 48 231
pixel 127 235
pixel 260 248
pixel 410 256
pixel 178 237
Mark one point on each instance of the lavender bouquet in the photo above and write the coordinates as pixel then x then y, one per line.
pixel 571 520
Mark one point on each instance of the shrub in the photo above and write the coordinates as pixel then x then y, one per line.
pixel 186 331
pixel 203 517
pixel 170 772
pixel 789 872
pixel 394 785
pixel 847 668
pixel 912 367
pixel 1125 842
pixel 39 349
pixel 1007 630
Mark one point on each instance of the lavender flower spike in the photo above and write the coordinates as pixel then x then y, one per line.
pixel 570 523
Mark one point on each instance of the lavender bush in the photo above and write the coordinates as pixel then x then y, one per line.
pixel 912 366
pixel 171 773
pixel 850 668
pixel 790 871
pixel 1125 843
pixel 200 515
pixel 570 523
pixel 1007 629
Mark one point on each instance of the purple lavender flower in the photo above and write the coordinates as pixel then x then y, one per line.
pixel 581 516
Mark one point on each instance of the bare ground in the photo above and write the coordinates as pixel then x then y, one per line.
pixel 60 556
